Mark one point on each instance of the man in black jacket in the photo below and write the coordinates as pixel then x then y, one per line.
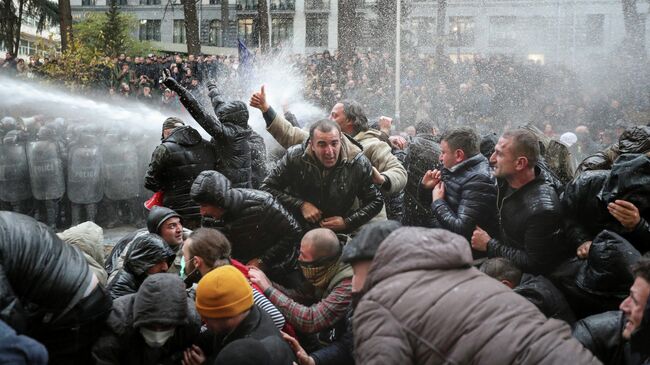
pixel 262 232
pixel 175 163
pixel 320 179
pixel 529 209
pixel 464 191
pixel 47 290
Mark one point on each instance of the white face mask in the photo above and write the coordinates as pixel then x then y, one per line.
pixel 156 338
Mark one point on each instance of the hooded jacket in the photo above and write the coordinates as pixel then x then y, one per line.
pixel 36 267
pixel 410 312
pixel 632 140
pixel 298 178
pixel 255 223
pixel 229 130
pixel 88 237
pixel 175 163
pixel 161 300
pixel 422 155
pixel 146 251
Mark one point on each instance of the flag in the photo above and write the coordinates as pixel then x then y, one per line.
pixel 245 59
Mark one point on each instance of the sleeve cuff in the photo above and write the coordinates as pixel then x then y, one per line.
pixel 269 116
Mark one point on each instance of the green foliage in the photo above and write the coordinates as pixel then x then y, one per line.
pixel 110 33
pixel 79 67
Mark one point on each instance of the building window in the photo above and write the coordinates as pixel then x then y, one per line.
pixel 502 31
pixel 424 30
pixel 215 38
pixel 27 48
pixel 150 30
pixel 281 31
pixel 87 2
pixel 149 2
pixel 246 5
pixel 317 4
pixel 461 31
pixel 122 2
pixel 179 31
pixel 245 32
pixel 316 31
pixel 215 2
pixel 594 29
pixel 282 5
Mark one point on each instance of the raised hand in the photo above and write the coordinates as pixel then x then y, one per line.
pixel 258 100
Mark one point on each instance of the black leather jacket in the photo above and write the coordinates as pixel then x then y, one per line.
pixel 175 163
pixel 298 178
pixel 422 155
pixel 530 220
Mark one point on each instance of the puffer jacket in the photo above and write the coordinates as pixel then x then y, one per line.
pixel 632 140
pixel 38 269
pixel 546 297
pixel 255 223
pixel 602 281
pixel 259 170
pixel 229 130
pixel 531 233
pixel 89 238
pixel 470 199
pixel 298 178
pixel 161 300
pixel 413 289
pixel 146 251
pixel 602 335
pixel 376 150
pixel 175 163
pixel 422 155
pixel 585 201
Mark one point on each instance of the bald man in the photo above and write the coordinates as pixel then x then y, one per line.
pixel 320 253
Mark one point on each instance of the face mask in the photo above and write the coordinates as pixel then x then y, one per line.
pixel 156 338
pixel 192 278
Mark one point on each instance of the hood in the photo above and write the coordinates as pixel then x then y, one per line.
pixel 157 216
pixel 211 187
pixel 234 112
pixel 89 237
pixel 350 149
pixel 635 140
pixel 415 248
pixel 370 133
pixel 474 160
pixel 146 251
pixel 184 136
pixel 161 299
pixel 629 179
pixel 365 244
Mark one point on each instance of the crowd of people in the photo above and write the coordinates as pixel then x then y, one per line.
pixel 458 237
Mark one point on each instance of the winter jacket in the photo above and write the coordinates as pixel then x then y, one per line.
pixel 89 238
pixel 255 223
pixel 338 352
pixel 38 269
pixel 632 140
pixel 259 170
pixel 546 297
pixel 229 130
pixel 603 280
pixel 585 201
pixel 175 163
pixel 298 178
pixel 530 227
pixel 422 155
pixel 19 349
pixel 377 151
pixel 161 300
pixel 415 287
pixel 145 252
pixel 470 198
pixel 602 335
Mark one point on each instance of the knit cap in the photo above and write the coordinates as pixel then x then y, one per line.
pixel 223 293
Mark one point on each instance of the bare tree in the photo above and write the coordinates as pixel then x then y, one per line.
pixel 191 27
pixel 65 23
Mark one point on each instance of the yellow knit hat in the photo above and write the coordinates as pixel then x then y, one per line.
pixel 223 293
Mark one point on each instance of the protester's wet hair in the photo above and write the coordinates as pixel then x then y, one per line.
pixel 641 269
pixel 524 144
pixel 354 112
pixel 325 126
pixel 210 245
pixel 424 126
pixel 463 138
pixel 501 269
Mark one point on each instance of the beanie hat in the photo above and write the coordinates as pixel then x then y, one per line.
pixel 172 122
pixel 160 300
pixel 365 244
pixel 210 187
pixel 223 293
pixel 569 138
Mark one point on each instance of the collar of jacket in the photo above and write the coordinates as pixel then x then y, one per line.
pixel 478 158
pixel 539 179
pixel 368 134
pixel 350 150
pixel 248 325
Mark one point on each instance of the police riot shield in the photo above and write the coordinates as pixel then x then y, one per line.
pixel 85 184
pixel 45 170
pixel 122 178
pixel 14 173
